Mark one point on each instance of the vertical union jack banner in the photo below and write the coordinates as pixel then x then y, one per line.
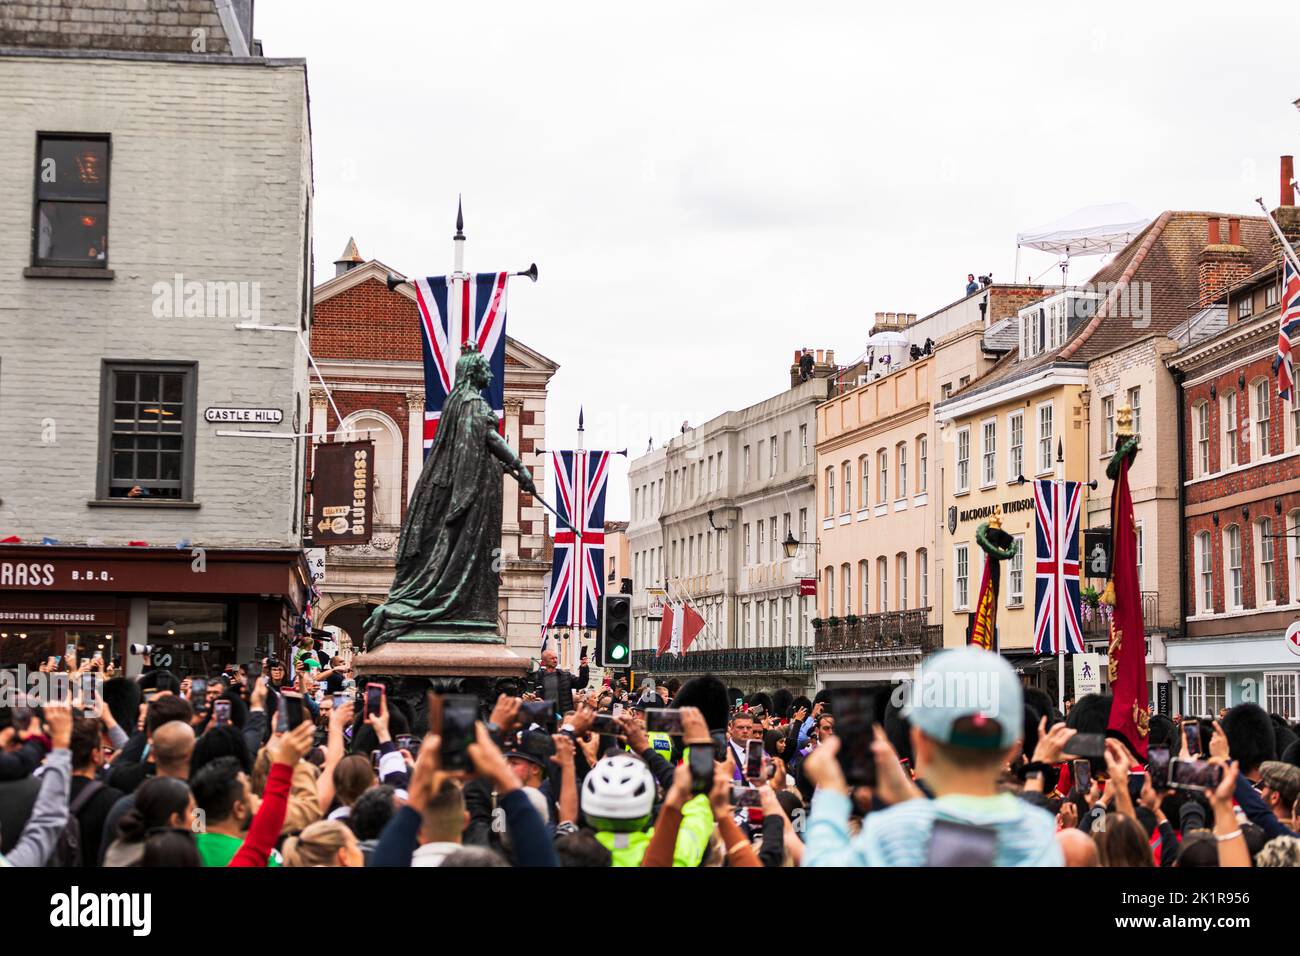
pixel 577 583
pixel 1288 326
pixel 447 324
pixel 1057 628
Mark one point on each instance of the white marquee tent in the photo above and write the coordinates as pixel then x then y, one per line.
pixel 1090 231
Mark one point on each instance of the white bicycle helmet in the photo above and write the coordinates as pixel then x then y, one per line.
pixel 619 793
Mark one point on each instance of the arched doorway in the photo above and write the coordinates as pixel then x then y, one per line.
pixel 350 618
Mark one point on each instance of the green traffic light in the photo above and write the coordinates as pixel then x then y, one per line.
pixel 618 652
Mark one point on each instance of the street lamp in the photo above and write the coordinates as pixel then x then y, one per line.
pixel 791 544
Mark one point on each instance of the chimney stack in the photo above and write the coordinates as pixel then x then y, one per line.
pixel 1221 264
pixel 1287 214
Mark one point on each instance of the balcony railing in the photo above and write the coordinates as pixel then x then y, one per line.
pixel 741 660
pixel 1096 621
pixel 888 634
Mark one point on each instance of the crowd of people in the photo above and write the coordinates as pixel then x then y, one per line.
pixel 300 763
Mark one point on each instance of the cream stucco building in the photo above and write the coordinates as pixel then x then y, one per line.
pixel 728 493
pixel 879 469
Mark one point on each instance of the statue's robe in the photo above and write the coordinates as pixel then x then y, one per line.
pixel 448 559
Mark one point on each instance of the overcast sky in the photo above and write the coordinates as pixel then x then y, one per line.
pixel 708 186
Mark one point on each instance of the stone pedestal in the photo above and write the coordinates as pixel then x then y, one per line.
pixel 412 657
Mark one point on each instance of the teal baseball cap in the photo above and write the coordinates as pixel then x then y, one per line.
pixel 967 697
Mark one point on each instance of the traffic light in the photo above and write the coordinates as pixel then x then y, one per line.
pixel 613 644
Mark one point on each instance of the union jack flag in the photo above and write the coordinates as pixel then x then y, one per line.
pixel 446 324
pixel 1289 326
pixel 1057 628
pixel 577 584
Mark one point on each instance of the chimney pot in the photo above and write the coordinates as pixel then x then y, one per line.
pixel 1212 237
pixel 1234 231
pixel 1288 174
pixel 830 356
pixel 798 354
pixel 821 356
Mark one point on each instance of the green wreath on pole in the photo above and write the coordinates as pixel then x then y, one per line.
pixel 995 542
pixel 1128 448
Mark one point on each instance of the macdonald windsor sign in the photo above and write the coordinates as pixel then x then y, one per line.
pixel 342 490
pixel 1005 508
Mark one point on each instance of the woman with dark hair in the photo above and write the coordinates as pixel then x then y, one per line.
pixel 1121 841
pixel 159 802
pixel 170 847
pixel 1198 849
pixel 774 743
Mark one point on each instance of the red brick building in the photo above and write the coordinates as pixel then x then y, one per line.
pixel 1240 470
pixel 366 340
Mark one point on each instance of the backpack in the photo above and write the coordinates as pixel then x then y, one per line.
pixel 67 851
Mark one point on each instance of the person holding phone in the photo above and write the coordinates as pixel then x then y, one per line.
pixel 286 750
pixel 618 799
pixel 38 839
pixel 551 683
pixel 431 825
pixel 822 732
pixel 961 743
pixel 22 746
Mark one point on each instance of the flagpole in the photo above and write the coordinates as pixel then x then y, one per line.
pixel 579 489
pixel 669 588
pixel 1058 493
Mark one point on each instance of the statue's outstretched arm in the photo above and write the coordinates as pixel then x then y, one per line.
pixel 506 455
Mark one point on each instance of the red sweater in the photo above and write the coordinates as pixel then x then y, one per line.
pixel 265 829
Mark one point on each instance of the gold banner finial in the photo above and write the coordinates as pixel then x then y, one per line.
pixel 1124 421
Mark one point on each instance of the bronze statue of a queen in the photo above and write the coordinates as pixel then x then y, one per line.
pixel 448 560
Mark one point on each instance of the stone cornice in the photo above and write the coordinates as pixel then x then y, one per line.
pixel 1242 333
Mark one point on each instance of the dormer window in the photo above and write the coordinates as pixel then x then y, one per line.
pixel 1045 325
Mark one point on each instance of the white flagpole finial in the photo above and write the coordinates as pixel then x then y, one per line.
pixel 458 241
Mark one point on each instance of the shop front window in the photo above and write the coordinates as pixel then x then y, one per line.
pixel 191 638
pixel 92 644
pixel 31 646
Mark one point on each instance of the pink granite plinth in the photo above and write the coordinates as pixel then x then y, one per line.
pixel 441 659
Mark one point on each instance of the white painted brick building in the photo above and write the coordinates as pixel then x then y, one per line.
pixel 127 172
